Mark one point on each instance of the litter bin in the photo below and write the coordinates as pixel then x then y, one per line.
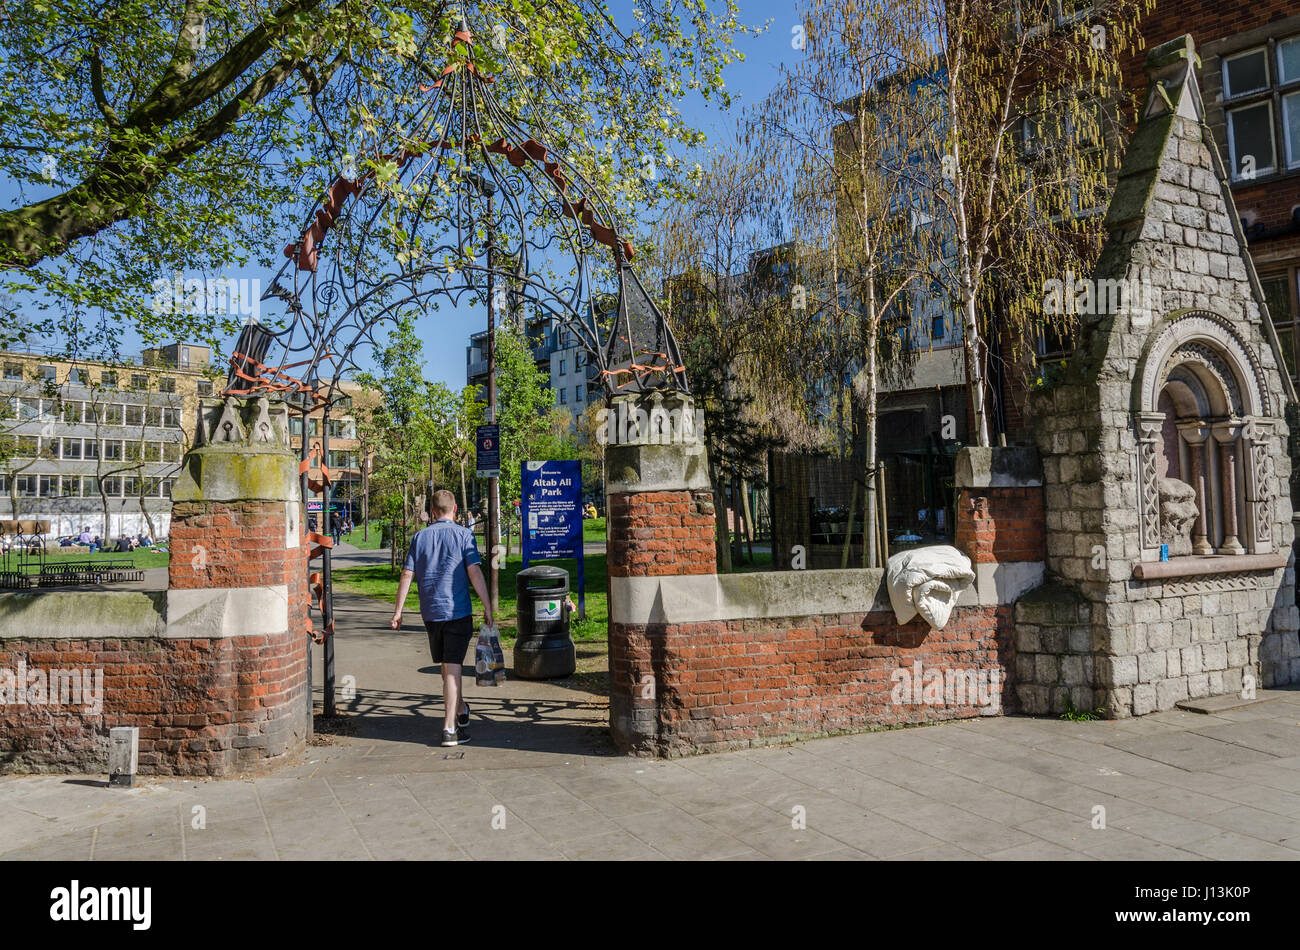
pixel 543 647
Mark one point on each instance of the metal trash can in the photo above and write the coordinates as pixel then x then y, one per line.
pixel 543 646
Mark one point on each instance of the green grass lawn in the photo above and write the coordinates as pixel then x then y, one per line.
pixel 380 582
pixel 358 539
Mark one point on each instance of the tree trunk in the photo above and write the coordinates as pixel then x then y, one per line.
pixel 144 510
pixel 737 553
pixel 872 554
pixel 749 520
pixel 974 367
pixel 720 538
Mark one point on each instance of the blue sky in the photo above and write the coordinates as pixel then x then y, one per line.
pixel 446 333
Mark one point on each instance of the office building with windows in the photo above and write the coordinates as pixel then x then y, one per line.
pixel 97 444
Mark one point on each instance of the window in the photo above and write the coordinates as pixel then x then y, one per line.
pixel 1261 92
pixel 937 328
pixel 165 488
pixel 25 486
pixel 562 365
pixel 70 486
pixel 1291 123
pixel 108 379
pixel 130 486
pixel 166 384
pixel 28 409
pixel 171 451
pixel 134 415
pixel 113 451
pixel 27 447
pixel 1250 141
pixel 46 372
pixel 564 397
pixel 13 370
pixel 153 416
pixel 91 449
pixel 139 382
pixel 203 387
pixel 313 428
pixel 577 394
pixel 72 448
pixel 77 376
pixel 111 486
pixel 49 486
pixel 295 425
pixel 171 418
pixel 1244 73
pixel 1282 294
pixel 72 412
pixel 113 414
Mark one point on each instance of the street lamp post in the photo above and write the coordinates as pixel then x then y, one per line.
pixel 487 189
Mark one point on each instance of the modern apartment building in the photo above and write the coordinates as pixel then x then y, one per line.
pixel 557 352
pixel 344 452
pixel 97 444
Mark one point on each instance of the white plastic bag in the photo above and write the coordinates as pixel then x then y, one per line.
pixel 489 660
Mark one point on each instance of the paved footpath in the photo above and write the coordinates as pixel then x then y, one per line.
pixel 541 781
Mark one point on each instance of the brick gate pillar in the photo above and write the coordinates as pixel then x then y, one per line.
pixel 238 581
pixel 659 505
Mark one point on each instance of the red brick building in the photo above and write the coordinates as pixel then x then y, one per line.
pixel 1250 78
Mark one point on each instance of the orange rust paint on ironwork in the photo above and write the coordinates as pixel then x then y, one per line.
pixel 305 251
pixel 516 155
pixel 261 384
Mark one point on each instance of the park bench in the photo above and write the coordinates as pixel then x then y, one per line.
pixel 64 573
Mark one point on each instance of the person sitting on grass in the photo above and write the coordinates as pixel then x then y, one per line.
pixel 444 561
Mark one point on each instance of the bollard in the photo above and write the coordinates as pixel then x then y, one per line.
pixel 123 753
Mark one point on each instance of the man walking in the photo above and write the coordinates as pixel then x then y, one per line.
pixel 444 561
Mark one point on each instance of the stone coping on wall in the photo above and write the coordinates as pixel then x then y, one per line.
pixel 1005 466
pixel 202 614
pixel 1202 566
pixel 695 598
pixel 82 615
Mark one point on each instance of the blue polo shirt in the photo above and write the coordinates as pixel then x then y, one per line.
pixel 438 557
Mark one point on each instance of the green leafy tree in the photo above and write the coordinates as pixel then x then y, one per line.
pixel 153 136
pixel 532 428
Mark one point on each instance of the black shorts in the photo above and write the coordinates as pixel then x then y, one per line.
pixel 449 639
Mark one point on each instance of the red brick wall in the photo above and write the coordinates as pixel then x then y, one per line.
pixel 661 533
pixel 231 544
pixel 203 707
pixel 734 683
pixel 1001 524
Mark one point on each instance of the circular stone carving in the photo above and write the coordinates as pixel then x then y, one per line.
pixel 1210 341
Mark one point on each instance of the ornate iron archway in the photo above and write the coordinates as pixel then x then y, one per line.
pixel 466 203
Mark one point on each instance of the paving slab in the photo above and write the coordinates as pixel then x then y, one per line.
pixel 540 781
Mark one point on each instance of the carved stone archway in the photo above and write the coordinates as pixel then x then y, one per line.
pixel 1197 364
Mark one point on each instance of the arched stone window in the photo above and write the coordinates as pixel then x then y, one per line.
pixel 1203 421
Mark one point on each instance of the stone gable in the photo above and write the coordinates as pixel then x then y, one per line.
pixel 1165 439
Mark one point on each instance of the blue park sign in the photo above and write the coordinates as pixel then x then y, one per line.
pixel 551 511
